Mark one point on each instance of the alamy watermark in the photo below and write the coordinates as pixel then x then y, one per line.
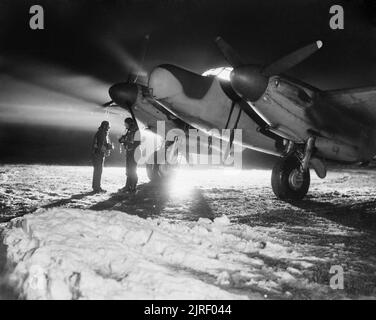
pixel 337 281
pixel 215 147
pixel 36 21
pixel 337 20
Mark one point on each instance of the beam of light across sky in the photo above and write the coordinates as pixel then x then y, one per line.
pixel 25 103
pixel 58 79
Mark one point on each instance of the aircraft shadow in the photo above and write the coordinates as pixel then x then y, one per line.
pixel 155 200
pixel 359 215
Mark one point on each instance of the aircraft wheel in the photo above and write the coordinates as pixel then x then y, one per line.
pixel 288 182
pixel 158 172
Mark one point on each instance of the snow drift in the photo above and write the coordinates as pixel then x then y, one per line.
pixel 66 253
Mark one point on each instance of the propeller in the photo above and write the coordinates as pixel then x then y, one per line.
pixel 143 55
pixel 250 80
pixel 125 93
pixel 229 53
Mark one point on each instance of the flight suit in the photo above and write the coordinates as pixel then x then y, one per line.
pixel 130 145
pixel 100 149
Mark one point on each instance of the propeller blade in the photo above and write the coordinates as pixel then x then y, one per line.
pixel 229 147
pixel 121 56
pixel 143 56
pixel 229 53
pixel 292 59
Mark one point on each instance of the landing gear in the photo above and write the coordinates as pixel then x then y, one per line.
pixel 290 176
pixel 164 161
pixel 289 182
pixel 158 172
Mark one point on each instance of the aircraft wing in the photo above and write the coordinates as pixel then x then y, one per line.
pixel 359 102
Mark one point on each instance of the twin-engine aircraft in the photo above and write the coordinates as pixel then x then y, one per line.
pixel 278 115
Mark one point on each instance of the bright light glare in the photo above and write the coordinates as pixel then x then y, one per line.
pixel 222 73
pixel 181 185
pixel 185 181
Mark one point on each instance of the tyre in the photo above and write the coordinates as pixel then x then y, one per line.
pixel 158 172
pixel 152 172
pixel 288 182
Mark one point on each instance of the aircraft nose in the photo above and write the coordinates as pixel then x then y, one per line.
pixel 124 93
pixel 249 82
pixel 163 83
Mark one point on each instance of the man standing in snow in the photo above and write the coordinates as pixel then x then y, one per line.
pixel 101 149
pixel 130 145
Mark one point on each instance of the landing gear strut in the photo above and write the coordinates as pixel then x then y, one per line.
pixel 290 176
pixel 158 172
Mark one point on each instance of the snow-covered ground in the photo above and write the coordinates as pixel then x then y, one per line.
pixel 206 234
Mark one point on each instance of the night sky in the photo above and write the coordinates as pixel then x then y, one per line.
pixel 52 80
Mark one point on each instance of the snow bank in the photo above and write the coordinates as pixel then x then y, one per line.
pixel 66 253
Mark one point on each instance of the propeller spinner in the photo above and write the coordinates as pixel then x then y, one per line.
pixel 125 93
